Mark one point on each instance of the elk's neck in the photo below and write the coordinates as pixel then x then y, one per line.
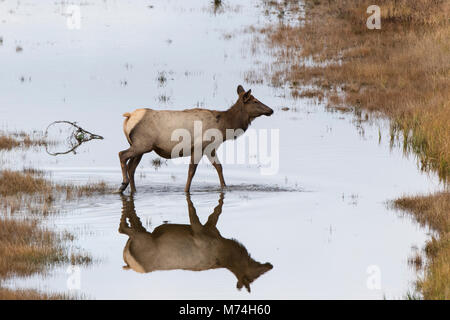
pixel 233 256
pixel 236 118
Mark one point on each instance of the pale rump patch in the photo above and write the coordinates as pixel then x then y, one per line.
pixel 131 262
pixel 131 120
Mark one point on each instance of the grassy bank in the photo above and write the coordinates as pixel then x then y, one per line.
pixel 433 211
pixel 26 246
pixel 400 71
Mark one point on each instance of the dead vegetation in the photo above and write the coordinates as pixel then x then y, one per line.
pixel 401 71
pixel 23 140
pixel 157 163
pixel 29 189
pixel 8 294
pixel 434 211
pixel 26 247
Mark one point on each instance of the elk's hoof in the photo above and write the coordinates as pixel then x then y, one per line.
pixel 122 187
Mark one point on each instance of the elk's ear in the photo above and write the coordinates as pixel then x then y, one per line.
pixel 243 282
pixel 247 95
pixel 240 89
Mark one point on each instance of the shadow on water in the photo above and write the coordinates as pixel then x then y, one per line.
pixel 195 247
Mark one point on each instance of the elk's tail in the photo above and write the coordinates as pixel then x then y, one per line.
pixel 127 116
pixel 131 120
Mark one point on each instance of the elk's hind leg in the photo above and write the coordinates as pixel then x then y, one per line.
pixel 124 156
pixel 132 165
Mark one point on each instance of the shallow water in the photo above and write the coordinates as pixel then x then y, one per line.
pixel 321 220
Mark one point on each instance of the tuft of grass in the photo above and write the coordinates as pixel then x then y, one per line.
pixel 27 248
pixel 9 141
pixel 434 211
pixel 162 78
pixel 86 190
pixel 21 294
pixel 158 163
pixel 14 182
pixel 163 98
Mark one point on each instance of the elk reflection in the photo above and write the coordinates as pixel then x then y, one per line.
pixel 193 247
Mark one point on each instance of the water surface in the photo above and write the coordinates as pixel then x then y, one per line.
pixel 321 220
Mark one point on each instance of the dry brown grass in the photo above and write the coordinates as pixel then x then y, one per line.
pixel 26 247
pixel 31 190
pixel 77 191
pixel 401 70
pixel 14 182
pixel 8 294
pixel 9 141
pixel 434 211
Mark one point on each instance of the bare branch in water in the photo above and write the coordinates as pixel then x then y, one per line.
pixel 76 137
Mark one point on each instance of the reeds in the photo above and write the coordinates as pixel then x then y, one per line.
pixel 434 211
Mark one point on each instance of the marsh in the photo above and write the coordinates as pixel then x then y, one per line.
pixel 321 219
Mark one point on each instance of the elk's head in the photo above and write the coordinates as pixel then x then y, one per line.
pixel 252 106
pixel 251 272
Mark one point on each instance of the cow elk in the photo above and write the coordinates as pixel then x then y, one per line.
pixel 152 130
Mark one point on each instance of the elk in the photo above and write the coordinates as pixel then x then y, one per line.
pixel 151 130
pixel 194 247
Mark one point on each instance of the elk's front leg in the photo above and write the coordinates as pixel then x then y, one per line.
pixel 193 217
pixel 191 173
pixel 216 164
pixel 214 217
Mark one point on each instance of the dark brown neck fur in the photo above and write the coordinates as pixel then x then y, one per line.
pixel 236 117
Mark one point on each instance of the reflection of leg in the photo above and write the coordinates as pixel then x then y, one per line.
pixel 193 217
pixel 216 163
pixel 123 226
pixel 129 212
pixel 214 217
pixel 132 165
pixel 124 156
pixel 191 173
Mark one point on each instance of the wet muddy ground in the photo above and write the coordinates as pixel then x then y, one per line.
pixel 321 220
